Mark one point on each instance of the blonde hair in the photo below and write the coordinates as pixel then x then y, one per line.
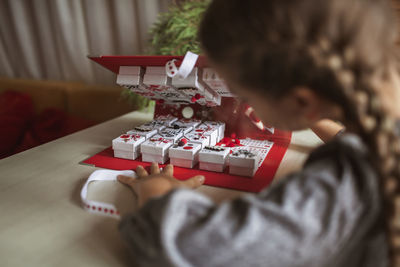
pixel 341 49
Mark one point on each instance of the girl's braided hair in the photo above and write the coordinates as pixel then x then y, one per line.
pixel 341 49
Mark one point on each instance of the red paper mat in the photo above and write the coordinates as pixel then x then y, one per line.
pixel 261 179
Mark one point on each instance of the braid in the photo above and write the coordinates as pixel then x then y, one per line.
pixel 377 130
pixel 375 127
pixel 341 49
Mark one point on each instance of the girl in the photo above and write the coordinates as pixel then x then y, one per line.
pixel 296 62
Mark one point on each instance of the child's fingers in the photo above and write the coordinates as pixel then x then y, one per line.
pixel 126 180
pixel 141 172
pixel 168 170
pixel 194 182
pixel 154 169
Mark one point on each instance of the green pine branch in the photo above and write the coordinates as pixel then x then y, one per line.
pixel 174 33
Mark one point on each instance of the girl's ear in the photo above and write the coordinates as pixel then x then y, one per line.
pixel 307 104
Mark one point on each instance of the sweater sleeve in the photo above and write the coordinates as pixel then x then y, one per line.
pixel 308 219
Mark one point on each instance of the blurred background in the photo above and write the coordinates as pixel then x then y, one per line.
pixel 50 39
pixel 48 86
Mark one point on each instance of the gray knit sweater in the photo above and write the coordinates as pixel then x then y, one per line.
pixel 328 214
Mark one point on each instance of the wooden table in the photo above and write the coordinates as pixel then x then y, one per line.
pixel 42 223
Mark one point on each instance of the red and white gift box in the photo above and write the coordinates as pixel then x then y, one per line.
pixel 213 158
pixel 244 162
pixel 155 125
pixel 185 125
pixel 207 129
pixel 196 89
pixel 220 127
pixel 127 146
pixel 172 133
pixel 167 120
pixel 184 154
pixel 145 131
pixel 157 81
pixel 198 137
pixel 155 149
pixel 131 77
pixel 261 146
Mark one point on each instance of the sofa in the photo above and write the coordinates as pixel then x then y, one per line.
pixel 34 112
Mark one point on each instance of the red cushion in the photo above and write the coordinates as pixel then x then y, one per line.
pixel 16 104
pixel 16 110
pixel 53 123
pixel 49 125
pixel 21 130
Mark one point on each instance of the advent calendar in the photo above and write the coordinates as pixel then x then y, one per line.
pixel 199 126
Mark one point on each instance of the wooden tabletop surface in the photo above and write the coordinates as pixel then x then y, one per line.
pixel 42 222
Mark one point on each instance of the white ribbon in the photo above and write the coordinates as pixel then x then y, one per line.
pixel 97 207
pixel 249 112
pixel 188 63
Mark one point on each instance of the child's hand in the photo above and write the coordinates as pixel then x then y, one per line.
pixel 157 183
